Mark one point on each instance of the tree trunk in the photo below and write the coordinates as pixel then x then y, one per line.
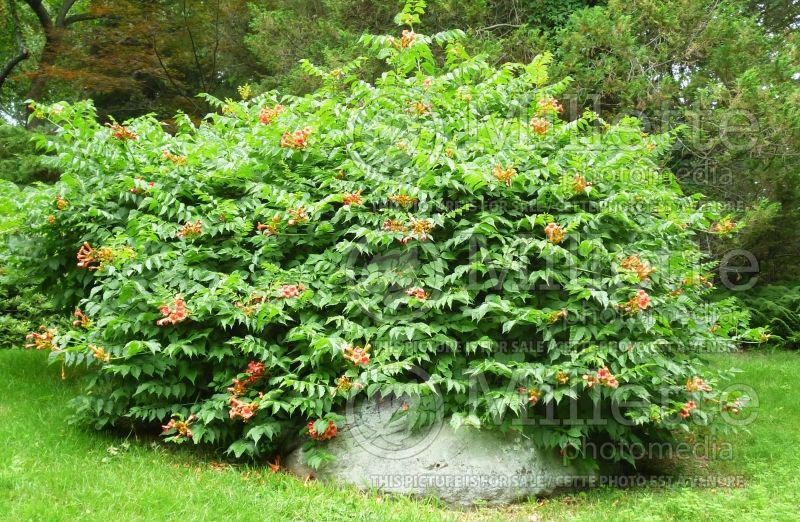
pixel 39 82
pixel 6 71
pixel 38 88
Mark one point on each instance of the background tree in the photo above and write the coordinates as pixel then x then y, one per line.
pixel 130 57
pixel 15 34
pixel 725 70
pixel 717 68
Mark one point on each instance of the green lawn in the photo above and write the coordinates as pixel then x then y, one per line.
pixel 50 470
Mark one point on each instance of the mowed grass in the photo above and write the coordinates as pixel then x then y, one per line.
pixel 766 454
pixel 50 470
pixel 53 471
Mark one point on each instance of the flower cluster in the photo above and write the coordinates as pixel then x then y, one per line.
pixel 406 40
pixel 357 355
pixel 255 298
pixel 394 225
pixel 43 340
pixel 41 111
pixel 99 353
pixel 417 293
pixel 562 377
pixel 122 133
pixel 697 280
pixel 638 302
pixel 419 230
pixel 540 125
pixel 734 407
pixel 81 319
pixel 353 198
pixel 275 467
pixel 61 203
pixel 329 433
pixel 549 104
pixel 533 396
pixel 723 226
pixel 269 229
pixel 554 233
pixel 298 216
pixel 504 174
pixel 403 200
pixel 697 384
pixel 603 376
pixel 693 281
pixel 295 140
pixel 174 158
pixel 635 264
pixel 290 291
pixel 255 370
pixel 343 383
pixel 92 259
pixel 557 315
pixel 242 409
pixel 579 184
pixel 137 189
pixel 267 115
pixel 190 229
pixel 687 409
pixel 175 314
pixel 178 427
pixel 421 108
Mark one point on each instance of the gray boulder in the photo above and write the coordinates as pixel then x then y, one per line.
pixel 465 466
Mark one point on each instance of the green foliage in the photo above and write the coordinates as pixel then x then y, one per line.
pixel 22 307
pixel 726 76
pixel 553 14
pixel 20 161
pixel 726 70
pixel 776 309
pixel 444 218
pixel 411 13
pixel 328 33
pixel 21 311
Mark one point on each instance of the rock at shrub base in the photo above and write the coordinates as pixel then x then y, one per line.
pixel 461 467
